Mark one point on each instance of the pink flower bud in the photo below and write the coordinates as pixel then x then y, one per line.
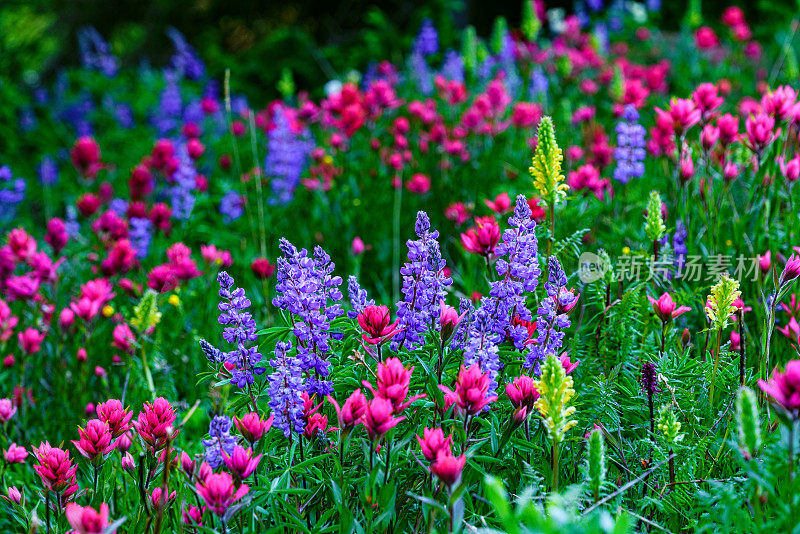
pixel 241 462
pixel 665 308
pixel 127 462
pixel 252 427
pixel 7 410
pixel 219 492
pixel 14 495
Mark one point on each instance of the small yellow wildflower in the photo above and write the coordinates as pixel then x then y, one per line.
pixel 108 311
pixel 174 300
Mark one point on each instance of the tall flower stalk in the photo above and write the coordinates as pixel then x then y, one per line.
pixel 546 172
pixel 719 310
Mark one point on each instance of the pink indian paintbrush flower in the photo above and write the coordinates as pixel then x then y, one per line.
pixel 241 462
pixel 379 418
pixel 127 462
pixel 123 338
pixel 448 468
pixel 157 498
pixel 765 262
pixel 567 364
pixel 87 520
pixel 116 416
pixel 30 340
pixel 376 321
pixel 393 381
pixel 523 394
pixel 433 441
pixel 791 270
pixel 252 427
pixel 791 330
pixel 784 388
pixel 351 412
pixel 21 244
pixel 219 492
pixel 216 257
pixel 500 205
pixel 187 464
pixel 95 441
pixel 55 469
pixel 156 423
pixel 7 321
pixel 7 410
pixel 472 386
pixel 448 320
pixel 85 155
pixel 666 309
pixel 262 268
pixel 14 495
pixel 15 454
pixel 482 238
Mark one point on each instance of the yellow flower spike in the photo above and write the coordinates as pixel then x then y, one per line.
pixel 546 165
pixel 723 295
pixel 555 390
pixel 108 311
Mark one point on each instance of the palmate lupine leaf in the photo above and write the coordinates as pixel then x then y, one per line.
pixel 546 165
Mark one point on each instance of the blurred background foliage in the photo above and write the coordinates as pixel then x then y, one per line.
pixel 259 41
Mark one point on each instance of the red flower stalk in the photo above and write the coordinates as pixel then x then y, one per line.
pixel 377 325
pixel 241 463
pixel 252 427
pixel 155 423
pixel 87 520
pixel 433 441
pixel 523 394
pixel 784 388
pixel 95 441
pixel 448 468
pixel 665 308
pixel 219 492
pixel 482 238
pixel 352 411
pixel 379 418
pixel 393 381
pixel 116 416
pixel 472 386
pixel 56 470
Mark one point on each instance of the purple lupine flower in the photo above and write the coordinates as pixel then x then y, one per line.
pixel 72 225
pixel 118 206
pixel 305 286
pixel 452 66
pixel 358 297
pixel 679 247
pixel 167 117
pixel 12 193
pixel 427 40
pixel 518 268
pixel 630 152
pixel 424 286
pixel 185 61
pixel 182 192
pixel 485 69
pixel 285 390
pixel 482 347
pixel 211 352
pixel 594 5
pixel 124 116
pixel 231 206
pixel 96 52
pixel 467 310
pixel 508 64
pixel 550 324
pixel 240 329
pixel 420 73
pixel 27 119
pixel 538 85
pixel 288 149
pixel 220 440
pixel 48 171
pixel 140 235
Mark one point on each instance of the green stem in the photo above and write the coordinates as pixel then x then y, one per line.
pixel 555 466
pixel 147 374
pixel 716 365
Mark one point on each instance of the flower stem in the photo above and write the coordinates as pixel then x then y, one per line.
pixel 716 365
pixel 555 466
